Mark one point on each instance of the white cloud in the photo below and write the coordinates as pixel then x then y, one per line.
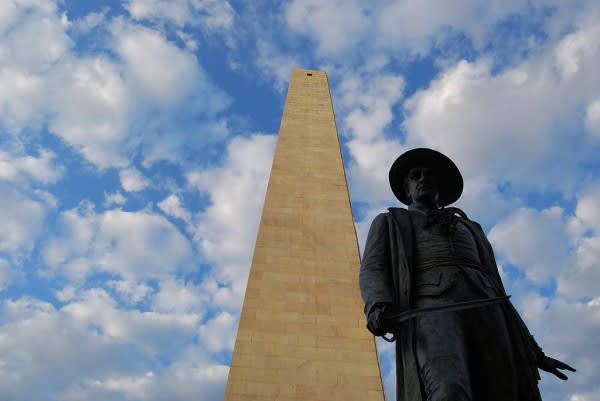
pixel 129 291
pixel 535 241
pixel 186 381
pixel 46 346
pixel 549 244
pixel 592 118
pixel 6 274
pixel 41 80
pixel 226 230
pixel 513 126
pixel 417 26
pixel 587 206
pixel 22 220
pixel 132 245
pixel 222 291
pixel 237 191
pixel 154 66
pixel 123 102
pixel 89 22
pixel 93 349
pixel 400 26
pixel 481 121
pixel 571 52
pixel 42 169
pixel 132 180
pixel 115 198
pixel 192 378
pixel 35 27
pixel 582 276
pixel 135 387
pixel 500 127
pixel 170 138
pixel 484 203
pixel 533 306
pixel 190 42
pixel 179 296
pixel 367 101
pixel 168 105
pixel 218 334
pixel 540 243
pixel 33 41
pixel 568 331
pixel 153 332
pixel 210 15
pixel 171 206
pixel 336 25
pixel 177 11
pixel 145 90
pixel 368 173
pixel 20 98
pixel 97 127
pixel 213 14
pixel 591 396
pixel 275 66
pixel 66 294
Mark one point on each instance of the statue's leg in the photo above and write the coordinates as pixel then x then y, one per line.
pixel 490 355
pixel 442 357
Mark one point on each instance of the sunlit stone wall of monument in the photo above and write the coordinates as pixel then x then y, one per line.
pixel 302 332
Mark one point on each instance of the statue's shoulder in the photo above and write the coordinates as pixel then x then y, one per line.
pixel 380 220
pixel 470 222
pixel 395 214
pixel 475 227
pixel 399 215
pixel 397 210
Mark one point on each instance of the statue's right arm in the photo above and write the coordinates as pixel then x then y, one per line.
pixel 375 277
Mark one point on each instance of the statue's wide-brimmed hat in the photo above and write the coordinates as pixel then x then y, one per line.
pixel 449 179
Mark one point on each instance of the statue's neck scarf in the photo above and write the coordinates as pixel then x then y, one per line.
pixel 446 218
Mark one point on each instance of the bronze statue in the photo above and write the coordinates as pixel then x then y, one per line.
pixel 428 276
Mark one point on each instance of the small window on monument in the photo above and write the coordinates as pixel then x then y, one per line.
pixel 308 74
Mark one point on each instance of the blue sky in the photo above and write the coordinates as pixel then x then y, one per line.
pixel 136 139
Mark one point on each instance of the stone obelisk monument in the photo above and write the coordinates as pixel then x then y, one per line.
pixel 302 332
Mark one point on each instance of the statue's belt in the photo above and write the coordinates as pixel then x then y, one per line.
pixel 399 318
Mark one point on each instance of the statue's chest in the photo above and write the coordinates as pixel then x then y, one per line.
pixel 436 245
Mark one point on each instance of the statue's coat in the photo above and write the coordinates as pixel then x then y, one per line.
pixel 385 277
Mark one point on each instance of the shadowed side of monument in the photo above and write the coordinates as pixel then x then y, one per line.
pixel 302 331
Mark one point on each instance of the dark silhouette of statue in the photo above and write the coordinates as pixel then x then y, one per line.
pixel 429 280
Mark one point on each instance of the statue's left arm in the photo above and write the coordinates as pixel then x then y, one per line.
pixel 536 354
pixel 542 361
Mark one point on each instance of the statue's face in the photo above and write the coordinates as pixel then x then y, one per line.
pixel 422 186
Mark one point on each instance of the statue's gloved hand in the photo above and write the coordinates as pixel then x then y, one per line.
pixel 552 365
pixel 377 323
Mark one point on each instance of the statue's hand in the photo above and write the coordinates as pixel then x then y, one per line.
pixel 377 324
pixel 552 365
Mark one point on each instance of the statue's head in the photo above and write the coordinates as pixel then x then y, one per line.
pixel 421 186
pixel 427 176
